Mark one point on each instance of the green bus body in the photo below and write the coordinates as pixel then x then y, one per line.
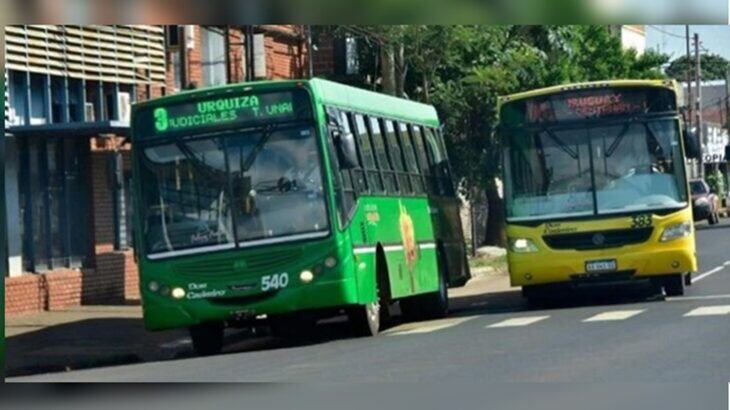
pixel 229 284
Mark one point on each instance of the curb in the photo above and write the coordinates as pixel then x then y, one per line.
pixel 79 365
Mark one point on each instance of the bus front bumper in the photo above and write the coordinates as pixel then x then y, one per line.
pixel 166 313
pixel 635 262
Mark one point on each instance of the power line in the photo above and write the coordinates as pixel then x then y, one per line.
pixel 669 33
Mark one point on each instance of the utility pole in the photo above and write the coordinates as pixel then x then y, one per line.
pixel 727 101
pixel 310 51
pixel 690 101
pixel 698 104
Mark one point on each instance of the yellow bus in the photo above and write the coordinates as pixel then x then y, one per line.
pixel 595 186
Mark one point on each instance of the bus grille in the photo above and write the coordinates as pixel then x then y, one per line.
pixel 239 266
pixel 584 241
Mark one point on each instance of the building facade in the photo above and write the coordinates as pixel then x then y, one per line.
pixel 67 163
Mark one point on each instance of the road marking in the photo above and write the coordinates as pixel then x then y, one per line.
pixel 177 343
pixel 433 326
pixel 708 273
pixel 518 321
pixel 689 298
pixel 709 311
pixel 614 315
pixel 727 263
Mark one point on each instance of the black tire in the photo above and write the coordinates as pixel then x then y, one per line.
pixel 535 296
pixel 365 319
pixel 674 285
pixel 293 326
pixel 207 338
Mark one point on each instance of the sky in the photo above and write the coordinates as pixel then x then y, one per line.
pixel 671 39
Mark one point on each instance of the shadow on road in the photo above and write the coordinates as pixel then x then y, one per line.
pixel 115 341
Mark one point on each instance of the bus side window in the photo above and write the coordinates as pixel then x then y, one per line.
pixel 383 162
pixel 359 180
pixel 446 165
pixel 367 156
pixel 344 190
pixel 437 161
pixel 410 158
pixel 422 157
pixel 396 157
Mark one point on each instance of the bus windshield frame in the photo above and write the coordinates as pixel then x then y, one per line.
pixel 262 148
pixel 589 157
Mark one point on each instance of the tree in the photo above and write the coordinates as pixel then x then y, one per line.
pixel 714 67
pixel 463 69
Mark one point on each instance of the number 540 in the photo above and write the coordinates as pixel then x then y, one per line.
pixel 275 281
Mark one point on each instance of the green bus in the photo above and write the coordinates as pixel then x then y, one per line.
pixel 290 201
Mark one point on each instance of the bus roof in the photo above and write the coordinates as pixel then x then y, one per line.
pixel 369 102
pixel 325 92
pixel 671 84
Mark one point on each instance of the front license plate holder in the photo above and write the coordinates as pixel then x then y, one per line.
pixel 601 266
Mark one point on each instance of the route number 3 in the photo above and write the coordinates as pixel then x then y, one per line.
pixel 275 281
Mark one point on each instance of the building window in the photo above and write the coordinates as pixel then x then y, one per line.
pixel 352 64
pixel 212 57
pixel 54 203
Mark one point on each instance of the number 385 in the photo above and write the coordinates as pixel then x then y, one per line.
pixel 275 281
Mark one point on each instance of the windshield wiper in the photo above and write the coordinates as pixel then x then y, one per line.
pixel 564 147
pixel 267 132
pixel 614 145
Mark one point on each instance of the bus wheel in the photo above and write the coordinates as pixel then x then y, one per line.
pixel 365 319
pixel 207 338
pixel 674 285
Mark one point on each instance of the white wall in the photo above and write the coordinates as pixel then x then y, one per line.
pixel 633 37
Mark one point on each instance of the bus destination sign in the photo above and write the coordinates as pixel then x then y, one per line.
pixel 589 104
pixel 576 107
pixel 225 111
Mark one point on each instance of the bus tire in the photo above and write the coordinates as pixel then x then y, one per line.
pixel 365 320
pixel 674 285
pixel 207 338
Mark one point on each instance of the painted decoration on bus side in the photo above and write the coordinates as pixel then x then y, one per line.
pixel 409 237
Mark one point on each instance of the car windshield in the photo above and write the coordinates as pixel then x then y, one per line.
pixel 240 188
pixel 627 167
pixel 697 188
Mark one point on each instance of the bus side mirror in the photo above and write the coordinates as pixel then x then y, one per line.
pixel 727 154
pixel 345 148
pixel 691 145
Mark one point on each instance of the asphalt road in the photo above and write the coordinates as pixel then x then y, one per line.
pixel 640 336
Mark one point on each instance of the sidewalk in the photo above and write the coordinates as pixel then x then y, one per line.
pixel 82 337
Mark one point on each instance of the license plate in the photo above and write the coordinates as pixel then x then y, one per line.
pixel 609 265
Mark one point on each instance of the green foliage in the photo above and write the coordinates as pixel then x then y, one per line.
pixel 716 181
pixel 463 69
pixel 714 67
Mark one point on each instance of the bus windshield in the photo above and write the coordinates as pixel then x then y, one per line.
pixel 631 166
pixel 238 188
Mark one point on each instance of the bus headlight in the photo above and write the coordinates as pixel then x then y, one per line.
pixel 522 245
pixel 676 231
pixel 306 276
pixel 178 293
